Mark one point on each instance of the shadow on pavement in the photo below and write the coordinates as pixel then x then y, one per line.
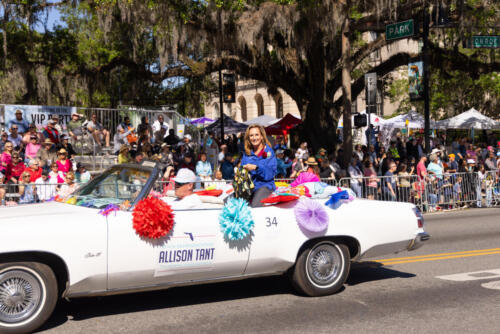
pixel 367 271
pixel 85 308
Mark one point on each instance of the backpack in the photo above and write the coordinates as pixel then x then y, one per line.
pixel 242 184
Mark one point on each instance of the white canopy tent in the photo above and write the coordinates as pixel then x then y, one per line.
pixel 471 119
pixel 415 121
pixel 264 120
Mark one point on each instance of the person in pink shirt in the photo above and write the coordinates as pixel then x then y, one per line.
pixel 63 163
pixel 6 159
pixel 31 149
pixel 55 175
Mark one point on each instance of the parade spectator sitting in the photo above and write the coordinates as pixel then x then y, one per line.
pixel 55 175
pixel 15 137
pixel 82 175
pixel 75 126
pixel 203 167
pixel 6 159
pixel 64 144
pixel 27 192
pixel 57 126
pixel 260 162
pixel 227 167
pixel 45 190
pixel 166 156
pixel 171 139
pixel 33 170
pixel 160 128
pixel 124 155
pixel 138 157
pixel 47 154
pixel 17 168
pixel 30 133
pixel 145 129
pixel 50 132
pixel 68 187
pixel 282 166
pixel 3 139
pixel 187 162
pixel 20 122
pixel 31 148
pixel 64 165
pixel 98 131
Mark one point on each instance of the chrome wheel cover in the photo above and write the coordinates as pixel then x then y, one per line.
pixel 20 295
pixel 324 265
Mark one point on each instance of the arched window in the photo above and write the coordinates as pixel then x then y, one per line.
pixel 279 106
pixel 243 108
pixel 260 104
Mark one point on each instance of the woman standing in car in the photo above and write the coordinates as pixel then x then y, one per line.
pixel 259 160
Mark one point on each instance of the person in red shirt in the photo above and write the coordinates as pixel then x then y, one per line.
pixel 17 168
pixel 34 170
pixel 421 170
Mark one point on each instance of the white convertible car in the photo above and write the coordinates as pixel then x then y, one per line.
pixel 54 250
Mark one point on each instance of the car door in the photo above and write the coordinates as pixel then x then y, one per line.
pixel 194 250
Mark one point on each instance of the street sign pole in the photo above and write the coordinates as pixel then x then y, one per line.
pixel 425 51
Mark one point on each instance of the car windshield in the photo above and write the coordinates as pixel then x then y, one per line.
pixel 116 186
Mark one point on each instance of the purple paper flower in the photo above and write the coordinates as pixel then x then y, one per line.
pixel 311 215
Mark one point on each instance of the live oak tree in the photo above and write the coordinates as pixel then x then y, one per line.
pixel 311 49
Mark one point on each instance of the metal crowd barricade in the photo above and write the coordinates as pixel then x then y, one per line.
pixel 10 193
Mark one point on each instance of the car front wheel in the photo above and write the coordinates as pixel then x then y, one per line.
pixel 28 295
pixel 321 268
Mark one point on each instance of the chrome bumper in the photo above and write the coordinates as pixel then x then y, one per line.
pixel 418 241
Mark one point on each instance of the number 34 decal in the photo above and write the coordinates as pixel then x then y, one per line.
pixel 271 221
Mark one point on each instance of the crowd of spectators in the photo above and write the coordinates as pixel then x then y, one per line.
pixel 376 171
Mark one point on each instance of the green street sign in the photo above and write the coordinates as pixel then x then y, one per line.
pixel 490 42
pixel 399 30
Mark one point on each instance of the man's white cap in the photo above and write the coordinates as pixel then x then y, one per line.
pixel 435 150
pixel 19 111
pixel 188 136
pixel 185 175
pixel 471 161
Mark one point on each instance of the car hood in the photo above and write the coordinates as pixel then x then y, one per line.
pixel 40 210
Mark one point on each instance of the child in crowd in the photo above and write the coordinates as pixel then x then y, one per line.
pixel 82 176
pixel 44 188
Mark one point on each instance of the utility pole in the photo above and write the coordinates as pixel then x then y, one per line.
pixel 221 103
pixel 425 53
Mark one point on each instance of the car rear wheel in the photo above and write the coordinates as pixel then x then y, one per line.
pixel 321 268
pixel 28 295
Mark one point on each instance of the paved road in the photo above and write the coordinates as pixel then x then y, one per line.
pixel 408 294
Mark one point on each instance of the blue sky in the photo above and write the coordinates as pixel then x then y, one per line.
pixel 53 19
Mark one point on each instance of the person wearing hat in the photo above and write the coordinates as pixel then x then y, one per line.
pixel 124 155
pixel 186 146
pixel 322 155
pixel 20 122
pixel 452 164
pixel 63 163
pixel 184 186
pixel 64 144
pixel 50 132
pixel 75 125
pixel 47 154
pixel 312 166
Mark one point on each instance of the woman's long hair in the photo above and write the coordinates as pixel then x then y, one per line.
pixel 248 144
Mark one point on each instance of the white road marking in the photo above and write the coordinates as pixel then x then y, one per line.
pixel 472 276
pixel 495 285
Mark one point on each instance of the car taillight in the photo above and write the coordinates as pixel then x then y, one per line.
pixel 420 218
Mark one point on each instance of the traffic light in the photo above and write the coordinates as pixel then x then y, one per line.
pixel 360 120
pixel 229 88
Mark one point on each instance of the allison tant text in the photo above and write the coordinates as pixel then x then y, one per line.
pixel 186 255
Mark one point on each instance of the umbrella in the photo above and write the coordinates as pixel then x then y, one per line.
pixel 471 119
pixel 201 120
pixel 283 125
pixel 230 126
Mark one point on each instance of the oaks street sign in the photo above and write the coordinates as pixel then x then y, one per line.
pixel 399 30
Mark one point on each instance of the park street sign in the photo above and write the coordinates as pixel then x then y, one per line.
pixel 399 30
pixel 491 42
